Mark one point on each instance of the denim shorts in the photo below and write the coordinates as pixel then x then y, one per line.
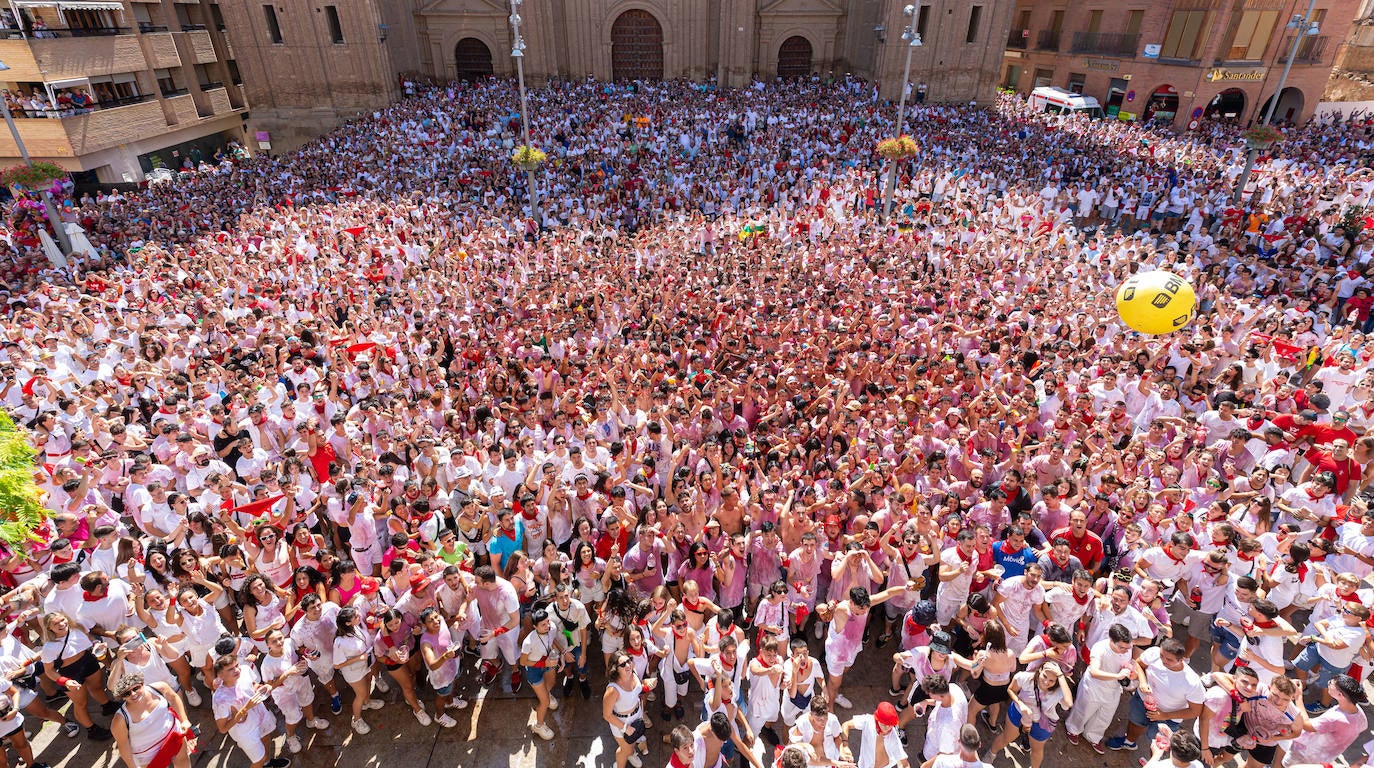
pixel 535 675
pixel 1139 716
pixel 1227 644
pixel 1309 660
pixel 1036 732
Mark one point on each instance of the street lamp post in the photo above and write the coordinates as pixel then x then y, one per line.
pixel 913 41
pixel 518 53
pixel 49 207
pixel 1302 26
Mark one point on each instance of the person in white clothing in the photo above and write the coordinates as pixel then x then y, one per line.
pixel 241 711
pixel 1016 600
pixel 879 743
pixel 946 712
pixel 295 697
pixel 967 756
pixel 1110 669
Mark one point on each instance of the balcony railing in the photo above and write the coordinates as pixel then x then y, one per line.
pixel 1105 43
pixel 148 26
pixel 11 34
pixel 211 86
pixel 1310 51
pixel 39 34
pixel 192 27
pixel 1018 38
pixel 171 92
pixel 123 102
pixel 1048 40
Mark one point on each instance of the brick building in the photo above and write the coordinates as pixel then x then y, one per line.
pixel 1177 60
pixel 108 88
pixel 309 65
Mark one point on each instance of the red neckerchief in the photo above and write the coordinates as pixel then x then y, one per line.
pixel 1223 543
pixel 1266 624
pixel 972 558
pixel 1248 557
pixel 1080 600
pixel 692 605
pixel 913 628
pixel 508 534
pixel 89 598
pixel 634 652
pixel 674 762
pixel 1308 491
pixel 1170 555
pixel 1055 560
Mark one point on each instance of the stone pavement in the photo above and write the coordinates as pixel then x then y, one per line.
pixel 494 732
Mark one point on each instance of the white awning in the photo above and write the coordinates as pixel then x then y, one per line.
pixel 79 5
pixel 69 83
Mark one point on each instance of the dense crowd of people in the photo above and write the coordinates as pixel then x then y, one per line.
pixel 353 428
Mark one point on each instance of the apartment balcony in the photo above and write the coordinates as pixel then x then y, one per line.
pixel 196 47
pixel 114 123
pixel 1048 40
pixel 147 27
pixel 1105 43
pixel 1312 50
pixel 1018 39
pixel 62 57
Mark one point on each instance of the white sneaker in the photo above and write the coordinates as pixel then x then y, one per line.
pixel 553 704
pixel 318 723
pixel 446 720
pixel 542 731
pixel 842 702
pixel 293 743
pixel 635 761
pixel 380 683
pixel 458 703
pixel 422 716
pixel 193 697
pixel 374 704
pixel 361 728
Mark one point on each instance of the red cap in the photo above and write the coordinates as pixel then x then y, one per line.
pixel 833 520
pixel 370 586
pixel 886 714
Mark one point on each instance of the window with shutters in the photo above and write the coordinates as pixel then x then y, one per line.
pixel 1185 35
pixel 1250 34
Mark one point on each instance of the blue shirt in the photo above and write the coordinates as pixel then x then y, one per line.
pixel 502 545
pixel 1013 563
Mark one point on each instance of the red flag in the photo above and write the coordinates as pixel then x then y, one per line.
pixel 253 508
pixel 354 231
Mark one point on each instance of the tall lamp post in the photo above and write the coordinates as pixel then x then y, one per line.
pixel 1302 26
pixel 518 53
pixel 913 41
pixel 49 207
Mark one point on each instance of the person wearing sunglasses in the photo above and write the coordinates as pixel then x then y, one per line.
pixel 1200 595
pixel 156 660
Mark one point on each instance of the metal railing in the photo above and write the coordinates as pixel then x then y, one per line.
pixel 147 26
pixel 40 34
pixel 1048 40
pixel 1018 38
pixel 193 27
pixel 123 102
pixel 211 86
pixel 1310 51
pixel 1105 43
pixel 172 92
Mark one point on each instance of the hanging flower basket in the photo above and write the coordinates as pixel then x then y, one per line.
pixel 21 503
pixel 1261 136
pixel 900 148
pixel 32 176
pixel 528 158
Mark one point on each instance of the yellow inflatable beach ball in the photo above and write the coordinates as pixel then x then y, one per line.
pixel 1156 302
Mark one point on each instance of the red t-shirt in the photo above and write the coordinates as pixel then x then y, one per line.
pixel 1088 549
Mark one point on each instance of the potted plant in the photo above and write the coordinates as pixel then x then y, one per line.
pixel 21 502
pixel 32 176
pixel 899 148
pixel 1261 136
pixel 528 158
